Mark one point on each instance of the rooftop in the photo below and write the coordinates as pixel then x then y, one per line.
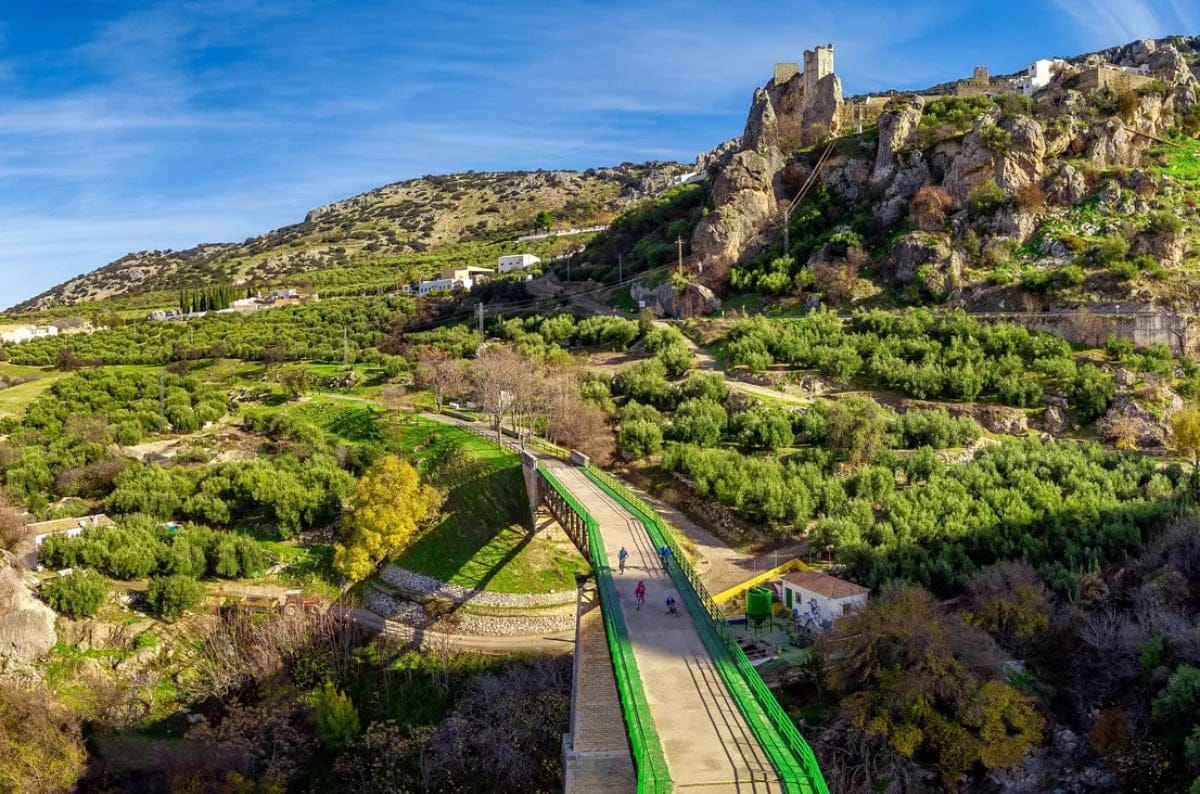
pixel 825 585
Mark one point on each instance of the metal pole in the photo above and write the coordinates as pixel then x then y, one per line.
pixel 679 242
pixel 620 269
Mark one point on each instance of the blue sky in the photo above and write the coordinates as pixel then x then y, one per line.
pixel 127 126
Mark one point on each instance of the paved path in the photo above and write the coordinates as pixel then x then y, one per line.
pixel 706 742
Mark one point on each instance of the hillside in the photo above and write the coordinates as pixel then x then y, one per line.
pixel 364 240
pixel 1075 184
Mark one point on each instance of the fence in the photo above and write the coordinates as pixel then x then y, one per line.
pixel 775 731
pixel 648 759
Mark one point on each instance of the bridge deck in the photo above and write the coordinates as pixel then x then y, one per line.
pixel 706 742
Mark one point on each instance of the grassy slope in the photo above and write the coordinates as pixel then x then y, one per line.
pixel 481 541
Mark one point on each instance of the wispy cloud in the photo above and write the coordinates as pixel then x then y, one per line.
pixel 1104 23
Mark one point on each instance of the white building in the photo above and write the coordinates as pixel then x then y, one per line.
pixel 818 599
pixel 453 278
pixel 510 262
pixel 26 332
pixel 1038 76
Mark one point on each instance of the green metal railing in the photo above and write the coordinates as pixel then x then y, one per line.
pixel 775 731
pixel 651 766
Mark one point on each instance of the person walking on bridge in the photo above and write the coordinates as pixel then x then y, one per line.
pixel 622 555
pixel 639 593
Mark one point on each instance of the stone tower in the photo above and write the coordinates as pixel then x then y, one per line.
pixel 818 63
pixel 981 76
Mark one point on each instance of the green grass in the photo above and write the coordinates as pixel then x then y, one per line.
pixel 309 568
pixel 15 399
pixel 481 540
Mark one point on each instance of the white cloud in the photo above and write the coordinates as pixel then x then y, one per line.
pixel 1107 23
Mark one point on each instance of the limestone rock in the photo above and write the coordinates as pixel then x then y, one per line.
pixel 744 198
pixel 1167 247
pixel 822 111
pixel 762 126
pixel 1019 162
pixel 1114 144
pixel 999 419
pixel 666 300
pixel 897 131
pixel 924 248
pixel 1054 420
pixel 26 624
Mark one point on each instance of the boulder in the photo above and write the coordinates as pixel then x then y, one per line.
pixel 26 624
pixel 666 300
pixel 1000 419
pixel 916 249
pixel 1054 420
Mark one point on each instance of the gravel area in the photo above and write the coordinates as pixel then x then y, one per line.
pixel 419 586
pixel 392 609
pixel 488 626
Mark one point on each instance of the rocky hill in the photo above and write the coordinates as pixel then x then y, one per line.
pixel 380 227
pixel 1078 185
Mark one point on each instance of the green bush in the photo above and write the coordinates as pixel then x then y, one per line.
pixel 171 596
pixel 637 438
pixel 987 198
pixel 699 422
pixel 77 595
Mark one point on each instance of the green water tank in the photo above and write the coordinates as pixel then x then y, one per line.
pixel 758 602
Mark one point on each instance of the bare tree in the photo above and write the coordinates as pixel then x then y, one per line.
pixel 575 423
pixel 501 378
pixel 12 523
pixel 442 375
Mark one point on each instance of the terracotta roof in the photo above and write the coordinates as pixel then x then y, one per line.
pixel 824 584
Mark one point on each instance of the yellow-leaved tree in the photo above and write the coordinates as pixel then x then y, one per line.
pixel 1185 428
pixel 383 516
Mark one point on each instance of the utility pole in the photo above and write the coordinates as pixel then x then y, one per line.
pixel 679 244
pixel 620 269
pixel 479 313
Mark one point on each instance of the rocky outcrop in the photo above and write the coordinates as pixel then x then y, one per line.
pixel 667 300
pixel 744 195
pixel 1115 144
pixel 897 131
pixel 1010 151
pixel 917 249
pixel 26 624
pixel 1066 185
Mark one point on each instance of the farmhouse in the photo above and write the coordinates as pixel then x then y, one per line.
pixel 510 262
pixel 818 599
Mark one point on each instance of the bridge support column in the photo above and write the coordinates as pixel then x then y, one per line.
pixel 533 485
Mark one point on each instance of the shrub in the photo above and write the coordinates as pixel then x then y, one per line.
pixel 171 596
pixel 78 595
pixel 986 198
pixel 699 422
pixel 928 208
pixel 638 438
pixel 1163 222
pixel 1111 249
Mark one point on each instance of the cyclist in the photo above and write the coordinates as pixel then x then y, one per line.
pixel 622 555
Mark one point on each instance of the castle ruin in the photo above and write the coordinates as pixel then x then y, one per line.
pixel 807 103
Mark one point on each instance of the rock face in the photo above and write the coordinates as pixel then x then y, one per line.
pixel 26 624
pixel 793 110
pixel 1009 151
pixel 916 249
pixel 897 131
pixel 669 301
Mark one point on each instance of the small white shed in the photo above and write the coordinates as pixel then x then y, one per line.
pixel 820 599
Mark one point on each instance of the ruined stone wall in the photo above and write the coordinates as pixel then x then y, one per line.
pixel 1181 333
pixel 1095 78
pixel 785 72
